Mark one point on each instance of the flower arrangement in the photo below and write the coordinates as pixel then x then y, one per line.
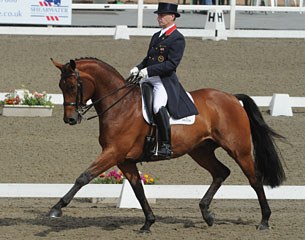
pixel 147 179
pixel 115 176
pixel 112 176
pixel 24 97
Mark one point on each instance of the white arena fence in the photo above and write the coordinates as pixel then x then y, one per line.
pixel 123 31
pixel 125 197
pixel 278 104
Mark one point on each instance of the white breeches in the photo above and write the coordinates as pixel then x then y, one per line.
pixel 159 92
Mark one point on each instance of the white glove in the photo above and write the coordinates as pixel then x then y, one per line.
pixel 134 71
pixel 143 73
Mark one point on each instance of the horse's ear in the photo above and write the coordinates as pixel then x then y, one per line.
pixel 72 64
pixel 57 64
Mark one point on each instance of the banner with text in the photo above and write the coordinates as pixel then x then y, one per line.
pixel 49 12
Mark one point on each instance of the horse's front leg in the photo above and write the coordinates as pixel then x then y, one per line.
pixel 131 172
pixel 82 180
pixel 100 165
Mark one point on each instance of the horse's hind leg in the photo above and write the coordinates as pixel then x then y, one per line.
pixel 246 163
pixel 131 172
pixel 205 157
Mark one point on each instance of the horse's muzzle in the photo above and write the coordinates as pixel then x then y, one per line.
pixel 72 120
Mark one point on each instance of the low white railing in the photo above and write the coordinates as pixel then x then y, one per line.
pixel 126 198
pixel 278 104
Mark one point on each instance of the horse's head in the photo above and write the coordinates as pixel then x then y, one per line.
pixel 90 78
pixel 71 86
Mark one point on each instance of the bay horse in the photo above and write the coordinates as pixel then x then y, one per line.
pixel 222 122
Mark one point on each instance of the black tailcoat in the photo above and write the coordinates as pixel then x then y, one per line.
pixel 163 57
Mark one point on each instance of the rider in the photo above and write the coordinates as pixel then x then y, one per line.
pixel 159 69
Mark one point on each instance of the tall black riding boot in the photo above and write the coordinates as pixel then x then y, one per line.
pixel 162 121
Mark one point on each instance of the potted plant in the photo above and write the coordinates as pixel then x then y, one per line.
pixel 115 176
pixel 22 103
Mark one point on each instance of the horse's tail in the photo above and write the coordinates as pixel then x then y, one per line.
pixel 267 155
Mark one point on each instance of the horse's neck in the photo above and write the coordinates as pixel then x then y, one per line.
pixel 108 87
pixel 116 102
pixel 103 79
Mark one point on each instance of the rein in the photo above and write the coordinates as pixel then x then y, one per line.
pixel 82 110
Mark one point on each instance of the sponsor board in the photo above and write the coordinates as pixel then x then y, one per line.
pixel 50 12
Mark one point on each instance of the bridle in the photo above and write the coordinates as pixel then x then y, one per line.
pixel 79 93
pixel 79 103
pixel 81 108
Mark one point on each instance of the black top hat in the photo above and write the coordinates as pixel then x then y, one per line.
pixel 167 8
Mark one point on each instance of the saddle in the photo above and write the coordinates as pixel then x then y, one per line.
pixel 152 140
pixel 147 107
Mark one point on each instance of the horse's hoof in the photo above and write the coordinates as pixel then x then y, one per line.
pixel 209 219
pixel 263 227
pixel 144 231
pixel 145 228
pixel 55 213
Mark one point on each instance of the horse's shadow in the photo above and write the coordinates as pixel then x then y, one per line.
pixel 107 222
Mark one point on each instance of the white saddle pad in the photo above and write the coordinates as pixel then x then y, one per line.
pixel 186 121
